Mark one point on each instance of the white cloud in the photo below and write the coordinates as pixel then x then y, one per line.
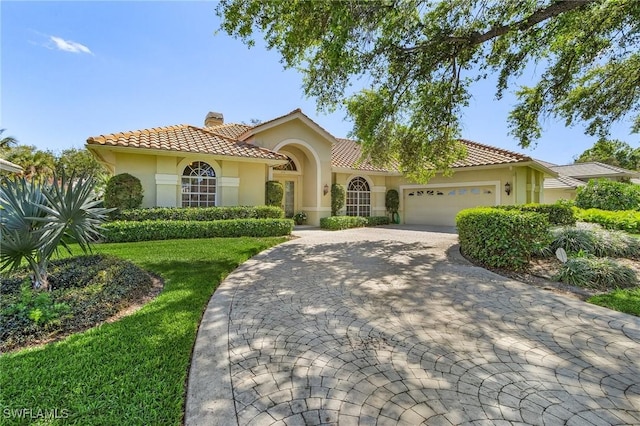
pixel 68 45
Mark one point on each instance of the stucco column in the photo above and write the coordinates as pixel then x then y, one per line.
pixel 378 194
pixel 167 190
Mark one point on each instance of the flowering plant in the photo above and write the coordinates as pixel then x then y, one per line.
pixel 299 218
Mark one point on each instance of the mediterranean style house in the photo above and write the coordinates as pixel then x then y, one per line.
pixel 224 164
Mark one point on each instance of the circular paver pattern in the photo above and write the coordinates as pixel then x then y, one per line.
pixel 392 326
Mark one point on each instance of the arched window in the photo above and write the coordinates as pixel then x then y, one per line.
pixel 288 167
pixel 358 197
pixel 198 185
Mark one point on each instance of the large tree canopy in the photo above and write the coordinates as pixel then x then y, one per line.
pixel 613 152
pixel 418 59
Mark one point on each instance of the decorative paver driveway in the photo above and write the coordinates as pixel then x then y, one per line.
pixel 390 326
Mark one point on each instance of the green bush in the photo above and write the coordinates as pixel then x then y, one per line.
pixel 596 273
pixel 123 191
pixel 201 213
pixel 335 223
pixel 605 194
pixel 119 231
pixel 273 193
pixel 377 220
pixel 337 198
pixel 560 213
pixel 502 238
pixel 626 220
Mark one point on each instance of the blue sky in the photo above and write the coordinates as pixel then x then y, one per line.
pixel 71 70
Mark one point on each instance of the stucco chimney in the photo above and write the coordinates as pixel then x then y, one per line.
pixel 214 119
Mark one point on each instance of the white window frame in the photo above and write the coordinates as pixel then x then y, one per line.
pixel 200 182
pixel 358 201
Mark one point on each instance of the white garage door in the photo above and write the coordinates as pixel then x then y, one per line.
pixel 439 206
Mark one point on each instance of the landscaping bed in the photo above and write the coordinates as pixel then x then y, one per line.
pixel 86 291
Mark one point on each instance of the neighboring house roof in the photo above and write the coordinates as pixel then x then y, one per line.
pixel 593 170
pixel 562 182
pixel 546 164
pixel 9 166
pixel 184 138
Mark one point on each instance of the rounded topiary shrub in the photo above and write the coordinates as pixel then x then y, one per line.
pixel 337 198
pixel 274 193
pixel 123 191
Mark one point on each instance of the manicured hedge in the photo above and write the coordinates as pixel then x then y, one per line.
pixel 377 220
pixel 200 213
pixel 148 230
pixel 557 214
pixel 605 194
pixel 502 238
pixel 335 223
pixel 625 220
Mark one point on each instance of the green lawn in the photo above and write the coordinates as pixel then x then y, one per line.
pixel 133 371
pixel 626 300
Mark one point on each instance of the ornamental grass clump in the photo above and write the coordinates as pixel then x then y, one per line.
pixel 596 273
pixel 595 240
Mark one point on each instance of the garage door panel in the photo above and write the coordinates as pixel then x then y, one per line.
pixel 428 206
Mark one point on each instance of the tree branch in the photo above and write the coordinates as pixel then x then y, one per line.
pixel 558 7
pixel 538 16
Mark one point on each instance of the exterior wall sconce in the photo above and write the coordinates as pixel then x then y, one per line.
pixel 507 188
pixel 326 189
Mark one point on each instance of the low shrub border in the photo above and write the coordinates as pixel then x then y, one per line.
pixel 557 214
pixel 336 223
pixel 624 220
pixel 377 220
pixel 149 230
pixel 502 238
pixel 200 213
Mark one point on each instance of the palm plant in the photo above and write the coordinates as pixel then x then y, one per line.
pixel 36 219
pixel 7 141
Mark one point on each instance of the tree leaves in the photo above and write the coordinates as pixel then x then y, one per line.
pixel 414 63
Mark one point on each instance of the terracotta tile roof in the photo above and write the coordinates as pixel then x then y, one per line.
pixel 184 138
pixel 592 169
pixel 346 153
pixel 562 182
pixel 231 130
pixel 483 155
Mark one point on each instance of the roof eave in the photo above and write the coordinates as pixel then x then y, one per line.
pixel 163 152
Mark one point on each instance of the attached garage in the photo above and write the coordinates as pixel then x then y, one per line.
pixel 438 205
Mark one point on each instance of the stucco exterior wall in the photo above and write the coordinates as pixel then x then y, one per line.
pixel 252 184
pixel 553 195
